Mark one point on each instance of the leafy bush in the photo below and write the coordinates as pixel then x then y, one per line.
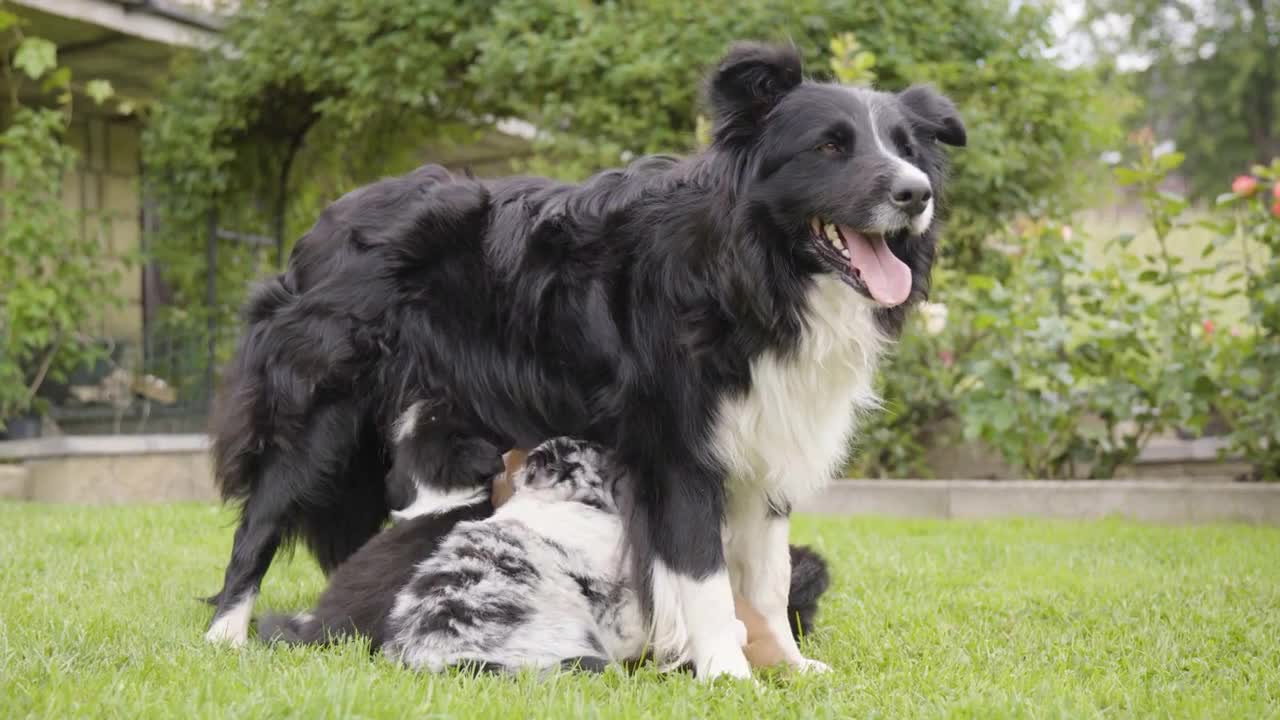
pixel 53 279
pixel 1250 368
pixel 358 89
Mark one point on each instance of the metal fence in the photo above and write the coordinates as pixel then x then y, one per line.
pixel 165 384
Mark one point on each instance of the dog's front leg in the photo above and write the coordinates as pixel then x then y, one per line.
pixel 760 564
pixel 692 600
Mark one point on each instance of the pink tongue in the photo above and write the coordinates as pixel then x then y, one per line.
pixel 887 278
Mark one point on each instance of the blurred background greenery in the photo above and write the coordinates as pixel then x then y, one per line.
pixel 1101 283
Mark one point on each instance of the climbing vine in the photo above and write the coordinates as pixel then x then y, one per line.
pixel 54 278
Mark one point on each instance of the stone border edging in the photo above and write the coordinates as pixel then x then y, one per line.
pixel 1160 501
pixel 166 468
pixel 81 445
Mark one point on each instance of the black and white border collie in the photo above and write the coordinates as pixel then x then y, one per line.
pixel 716 321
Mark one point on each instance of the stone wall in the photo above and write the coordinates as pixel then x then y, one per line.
pixel 107 470
pixel 107 182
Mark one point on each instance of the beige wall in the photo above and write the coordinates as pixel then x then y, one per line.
pixel 107 179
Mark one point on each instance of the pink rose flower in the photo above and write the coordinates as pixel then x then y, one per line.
pixel 1244 185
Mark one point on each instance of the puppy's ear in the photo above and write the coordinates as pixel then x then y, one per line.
pixel 748 83
pixel 934 114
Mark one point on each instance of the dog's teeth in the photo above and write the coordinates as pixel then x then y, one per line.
pixel 844 252
pixel 833 236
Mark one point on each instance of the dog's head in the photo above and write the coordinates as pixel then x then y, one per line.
pixel 849 178
pixel 572 471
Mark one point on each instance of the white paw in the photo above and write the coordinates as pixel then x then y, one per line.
pixel 231 625
pixel 725 664
pixel 812 666
pixel 222 633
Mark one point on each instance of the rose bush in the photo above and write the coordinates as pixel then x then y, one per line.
pixel 1067 367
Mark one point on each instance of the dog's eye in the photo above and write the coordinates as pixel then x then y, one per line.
pixel 903 142
pixel 830 148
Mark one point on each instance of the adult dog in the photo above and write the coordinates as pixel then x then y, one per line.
pixel 715 320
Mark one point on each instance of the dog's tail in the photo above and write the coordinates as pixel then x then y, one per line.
pixel 298 629
pixel 243 407
pixel 809 580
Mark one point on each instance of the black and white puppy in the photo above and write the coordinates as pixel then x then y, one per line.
pixel 454 559
pixel 539 584
pixel 715 321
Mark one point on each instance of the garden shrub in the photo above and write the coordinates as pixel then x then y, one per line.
pixel 1249 366
pixel 54 279
pixel 358 88
pixel 1067 367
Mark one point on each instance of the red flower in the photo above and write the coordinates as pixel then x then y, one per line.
pixel 1244 185
pixel 1275 191
pixel 1208 327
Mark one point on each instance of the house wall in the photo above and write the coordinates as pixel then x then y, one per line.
pixel 107 184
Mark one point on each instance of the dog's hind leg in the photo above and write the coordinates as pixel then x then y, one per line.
pixel 357 511
pixel 262 527
pixel 291 481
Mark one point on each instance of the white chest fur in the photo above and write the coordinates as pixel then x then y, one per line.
pixel 787 435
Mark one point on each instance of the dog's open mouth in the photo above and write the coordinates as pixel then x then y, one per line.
pixel 864 261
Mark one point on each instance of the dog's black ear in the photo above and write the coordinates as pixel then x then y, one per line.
pixel 935 114
pixel 748 83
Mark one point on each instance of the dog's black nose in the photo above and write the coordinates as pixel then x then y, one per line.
pixel 910 194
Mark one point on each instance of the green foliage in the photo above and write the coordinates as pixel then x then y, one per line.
pixel 53 279
pixel 367 85
pixel 99 90
pixel 1214 78
pixel 1066 368
pixel 35 57
pixel 850 63
pixel 1250 367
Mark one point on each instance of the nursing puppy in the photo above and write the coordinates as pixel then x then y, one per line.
pixel 539 584
pixel 715 322
pixel 809 580
pixel 362 591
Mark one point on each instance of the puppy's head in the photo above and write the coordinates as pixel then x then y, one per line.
pixel 572 471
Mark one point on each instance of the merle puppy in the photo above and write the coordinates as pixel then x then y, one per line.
pixel 715 321
pixel 363 591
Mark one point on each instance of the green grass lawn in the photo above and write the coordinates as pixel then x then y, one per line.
pixel 98 618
